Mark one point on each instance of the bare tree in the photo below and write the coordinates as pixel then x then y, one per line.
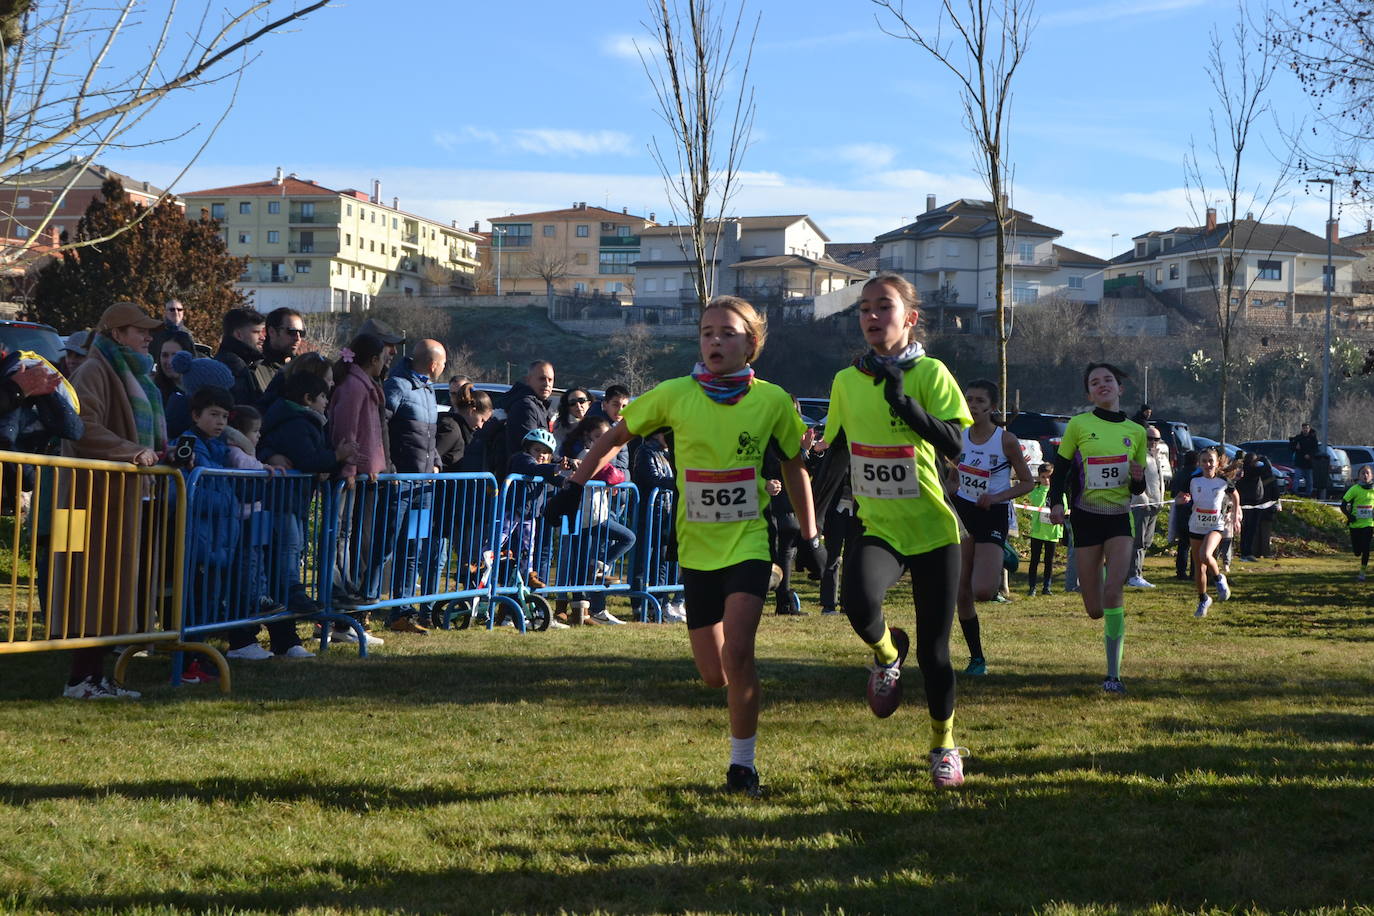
pixel 696 55
pixel 1240 72
pixel 982 44
pixel 549 265
pixel 1329 47
pixel 61 99
pixel 633 350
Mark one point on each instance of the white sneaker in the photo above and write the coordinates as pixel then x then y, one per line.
pixel 298 652
pixel 556 624
pixel 373 640
pixel 673 613
pixel 604 616
pixel 1223 589
pixel 89 689
pixel 345 636
pixel 1138 582
pixel 251 652
pixel 118 690
pixel 1202 605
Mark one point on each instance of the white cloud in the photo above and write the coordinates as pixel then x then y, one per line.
pixel 623 46
pixel 1122 9
pixel 544 141
pixel 866 156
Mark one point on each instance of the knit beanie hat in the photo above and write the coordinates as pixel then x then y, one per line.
pixel 198 372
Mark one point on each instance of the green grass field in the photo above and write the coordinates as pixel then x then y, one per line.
pixel 579 771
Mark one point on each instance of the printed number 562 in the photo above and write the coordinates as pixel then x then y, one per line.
pixel 725 496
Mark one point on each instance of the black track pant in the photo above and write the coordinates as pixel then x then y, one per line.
pixel 871 567
pixel 1359 543
pixel 1039 547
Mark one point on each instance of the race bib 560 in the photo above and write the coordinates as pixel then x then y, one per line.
pixel 883 471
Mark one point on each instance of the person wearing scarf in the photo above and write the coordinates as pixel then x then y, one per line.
pixel 105 590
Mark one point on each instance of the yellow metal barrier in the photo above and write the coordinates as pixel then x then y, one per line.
pixel 92 553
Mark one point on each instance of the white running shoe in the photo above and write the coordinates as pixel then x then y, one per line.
pixel 1138 582
pixel 604 616
pixel 298 652
pixel 1223 589
pixel 1202 605
pixel 89 689
pixel 250 653
pixel 672 614
pixel 556 624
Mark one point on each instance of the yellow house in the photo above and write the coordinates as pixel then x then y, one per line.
pixel 581 251
pixel 315 249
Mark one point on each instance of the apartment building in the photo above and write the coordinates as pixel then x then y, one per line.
pixel 1276 269
pixel 65 191
pixel 950 254
pixel 769 260
pixel 316 249
pixel 583 250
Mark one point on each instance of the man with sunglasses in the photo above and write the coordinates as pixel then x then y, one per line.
pixel 285 337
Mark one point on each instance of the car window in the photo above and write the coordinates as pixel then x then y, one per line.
pixel 43 341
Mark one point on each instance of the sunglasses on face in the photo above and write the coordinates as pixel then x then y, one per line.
pixel 294 332
pixel 579 400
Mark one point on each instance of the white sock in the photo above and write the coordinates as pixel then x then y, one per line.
pixel 742 751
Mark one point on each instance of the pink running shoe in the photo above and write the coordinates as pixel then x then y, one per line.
pixel 884 681
pixel 947 768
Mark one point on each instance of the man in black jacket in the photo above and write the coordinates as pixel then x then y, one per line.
pixel 528 405
pixel 240 349
pixel 1304 450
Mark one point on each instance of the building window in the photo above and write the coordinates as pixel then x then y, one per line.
pixel 579 287
pixel 1257 303
pixel 549 231
pixel 394 223
pixel 670 284
pixel 1168 242
pixel 352 272
pixel 274 206
pixel 580 259
pixel 372 217
pixel 1235 300
pixel 517 235
pixel 622 231
pixel 952 249
pixel 1173 271
pixel 308 212
pixel 650 285
pixel 302 267
pixel 655 254
pixel 245 238
pixel 584 231
pixel 348 209
pixel 21 231
pixel 348 239
pixel 217 211
pixel 372 246
pixel 1140 249
pixel 1270 270
pixel 1023 294
pixel 1159 274
pixel 1025 251
pixel 617 262
pixel 22 202
pixel 245 207
pixel 273 236
pixel 1075 282
pixel 393 251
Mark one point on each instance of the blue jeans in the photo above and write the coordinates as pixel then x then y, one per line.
pixel 618 540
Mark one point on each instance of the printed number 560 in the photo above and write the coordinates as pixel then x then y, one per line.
pixel 883 474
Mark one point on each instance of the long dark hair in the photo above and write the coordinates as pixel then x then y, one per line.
pixel 365 348
pixel 565 404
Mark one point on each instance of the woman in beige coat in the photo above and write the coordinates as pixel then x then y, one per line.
pixel 113 585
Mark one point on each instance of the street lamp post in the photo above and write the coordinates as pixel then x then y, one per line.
pixel 497 234
pixel 1328 281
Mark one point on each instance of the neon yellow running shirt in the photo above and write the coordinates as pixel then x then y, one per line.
pixel 1041 529
pixel 1101 452
pixel 894 473
pixel 1361 503
pixel 718 452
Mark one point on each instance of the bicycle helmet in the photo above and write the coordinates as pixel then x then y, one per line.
pixel 543 437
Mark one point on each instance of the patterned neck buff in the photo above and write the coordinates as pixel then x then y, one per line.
pixel 724 389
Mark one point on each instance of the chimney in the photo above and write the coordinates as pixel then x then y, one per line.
pixel 278 179
pixel 625 210
pixel 1006 203
pixel 476 226
pixel 1250 215
pixel 1369 225
pixel 1211 218
pixel 395 203
pixel 653 217
pixel 1333 231
pixel 376 191
pixel 930 202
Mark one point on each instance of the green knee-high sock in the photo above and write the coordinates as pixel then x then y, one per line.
pixel 1114 628
pixel 884 649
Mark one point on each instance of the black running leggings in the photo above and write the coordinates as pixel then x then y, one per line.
pixel 1359 543
pixel 1037 548
pixel 871 567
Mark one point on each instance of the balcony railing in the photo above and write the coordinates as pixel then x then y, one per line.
pixel 313 247
pixel 1016 262
pixel 410 238
pixel 325 217
pixel 620 241
pixel 264 278
pixel 615 268
pixel 895 264
pixel 1203 281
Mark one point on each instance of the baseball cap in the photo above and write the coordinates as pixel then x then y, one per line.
pixel 127 314
pixel 381 329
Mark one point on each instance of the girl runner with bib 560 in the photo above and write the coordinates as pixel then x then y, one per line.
pixel 895 410
pixel 1101 464
pixel 722 418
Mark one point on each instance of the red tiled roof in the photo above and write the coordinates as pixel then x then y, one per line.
pixel 292 187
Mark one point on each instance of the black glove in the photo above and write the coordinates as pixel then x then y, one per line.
pixel 892 377
pixel 812 557
pixel 565 502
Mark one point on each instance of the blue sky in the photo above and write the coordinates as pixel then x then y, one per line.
pixel 469 111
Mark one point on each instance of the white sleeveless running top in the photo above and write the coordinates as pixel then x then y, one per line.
pixel 983 468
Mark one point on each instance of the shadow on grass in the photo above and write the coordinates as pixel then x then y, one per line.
pixel 1091 831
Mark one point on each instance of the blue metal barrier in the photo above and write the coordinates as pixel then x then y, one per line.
pixel 414 540
pixel 655 575
pixel 254 546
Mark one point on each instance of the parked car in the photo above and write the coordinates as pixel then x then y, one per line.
pixel 30 335
pixel 1206 442
pixel 1045 428
pixel 1177 437
pixel 1280 452
pixel 1360 456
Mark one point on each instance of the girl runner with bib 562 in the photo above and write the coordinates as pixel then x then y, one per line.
pixel 722 418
